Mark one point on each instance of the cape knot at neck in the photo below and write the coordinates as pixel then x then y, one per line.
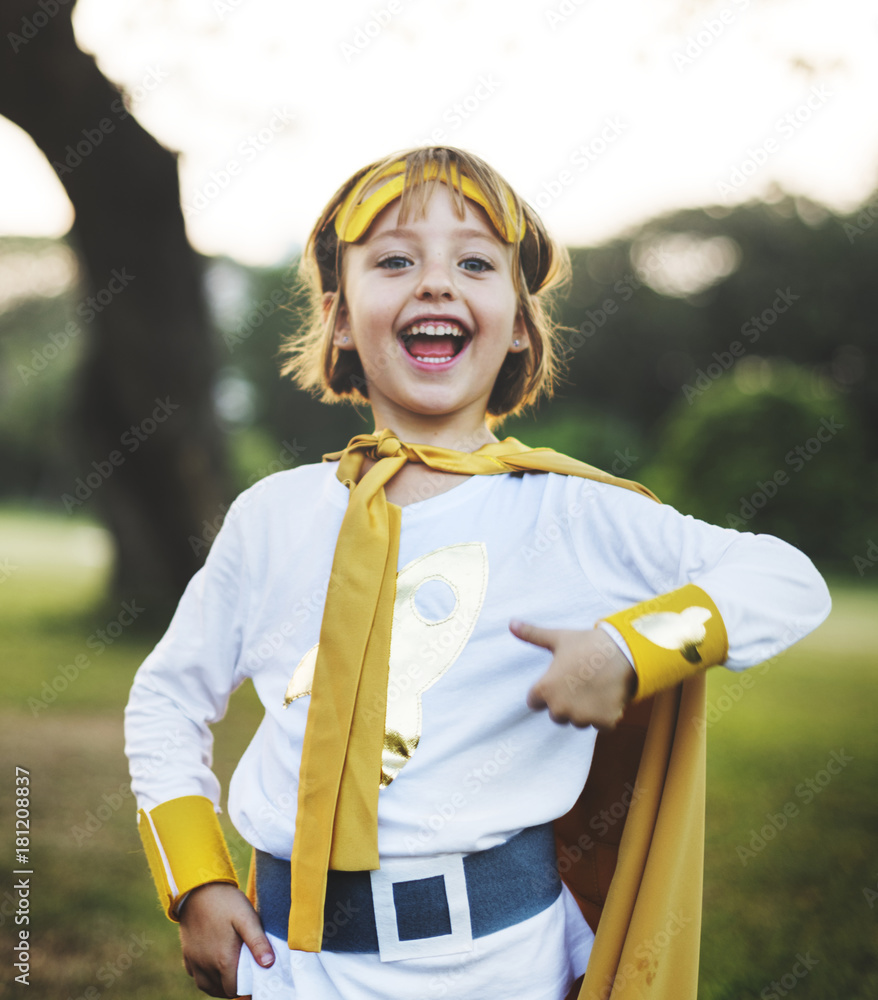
pixel 388 445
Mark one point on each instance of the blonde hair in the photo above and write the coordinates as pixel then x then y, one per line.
pixel 539 267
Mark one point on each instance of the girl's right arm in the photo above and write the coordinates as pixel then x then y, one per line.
pixel 182 687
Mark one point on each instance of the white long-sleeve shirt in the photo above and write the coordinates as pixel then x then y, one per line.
pixel 555 551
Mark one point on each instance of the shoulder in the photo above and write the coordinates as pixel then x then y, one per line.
pixel 619 521
pixel 290 496
pixel 560 490
pixel 301 481
pixel 611 499
pixel 582 504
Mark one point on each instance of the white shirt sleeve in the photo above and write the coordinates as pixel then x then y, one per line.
pixel 631 548
pixel 186 682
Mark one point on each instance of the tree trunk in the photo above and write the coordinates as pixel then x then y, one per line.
pixel 148 444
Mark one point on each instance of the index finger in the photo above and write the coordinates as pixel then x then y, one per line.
pixel 545 637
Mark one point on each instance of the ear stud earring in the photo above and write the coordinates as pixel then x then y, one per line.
pixel 515 343
pixel 345 340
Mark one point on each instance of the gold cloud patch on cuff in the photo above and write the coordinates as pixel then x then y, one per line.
pixel 672 637
pixel 185 847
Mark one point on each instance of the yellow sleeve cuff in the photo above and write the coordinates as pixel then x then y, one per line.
pixel 672 637
pixel 185 848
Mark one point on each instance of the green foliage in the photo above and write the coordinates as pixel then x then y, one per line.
pixel 574 428
pixel 771 450
pixel 41 343
pixel 634 349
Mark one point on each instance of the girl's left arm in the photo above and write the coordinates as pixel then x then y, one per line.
pixel 720 596
pixel 681 595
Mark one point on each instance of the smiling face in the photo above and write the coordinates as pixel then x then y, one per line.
pixel 431 308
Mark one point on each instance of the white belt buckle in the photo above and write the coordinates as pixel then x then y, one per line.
pixel 450 866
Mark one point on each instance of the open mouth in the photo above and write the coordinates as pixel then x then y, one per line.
pixel 433 341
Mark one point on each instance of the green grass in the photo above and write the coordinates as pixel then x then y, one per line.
pixel 799 889
pixel 93 905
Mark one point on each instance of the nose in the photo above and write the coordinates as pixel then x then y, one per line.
pixel 436 281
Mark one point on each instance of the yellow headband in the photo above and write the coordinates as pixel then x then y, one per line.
pixel 353 218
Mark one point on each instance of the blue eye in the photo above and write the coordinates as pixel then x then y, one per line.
pixel 395 262
pixel 480 265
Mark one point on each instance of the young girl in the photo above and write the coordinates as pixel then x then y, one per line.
pixel 423 617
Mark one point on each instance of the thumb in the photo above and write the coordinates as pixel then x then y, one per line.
pixel 545 637
pixel 249 929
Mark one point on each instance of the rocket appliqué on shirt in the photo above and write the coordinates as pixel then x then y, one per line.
pixel 422 648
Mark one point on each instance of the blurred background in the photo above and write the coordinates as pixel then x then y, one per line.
pixel 713 167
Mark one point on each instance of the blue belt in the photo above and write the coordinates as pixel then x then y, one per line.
pixel 504 885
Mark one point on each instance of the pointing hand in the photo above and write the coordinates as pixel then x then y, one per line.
pixel 589 681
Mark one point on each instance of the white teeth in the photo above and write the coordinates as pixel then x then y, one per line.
pixel 433 361
pixel 437 329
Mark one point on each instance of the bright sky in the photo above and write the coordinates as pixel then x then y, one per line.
pixel 601 113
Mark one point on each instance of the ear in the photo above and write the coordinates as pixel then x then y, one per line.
pixel 519 334
pixel 341 334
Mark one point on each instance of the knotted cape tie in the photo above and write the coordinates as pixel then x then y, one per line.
pixel 337 814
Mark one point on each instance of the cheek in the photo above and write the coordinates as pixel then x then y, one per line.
pixel 511 313
pixel 373 324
